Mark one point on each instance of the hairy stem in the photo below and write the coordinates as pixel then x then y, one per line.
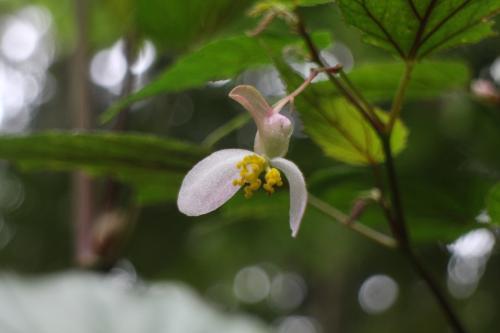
pixel 342 218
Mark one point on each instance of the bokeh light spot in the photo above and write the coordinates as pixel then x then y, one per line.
pixel 251 284
pixel 377 294
pixel 109 67
pixel 297 324
pixel 19 40
pixel 287 291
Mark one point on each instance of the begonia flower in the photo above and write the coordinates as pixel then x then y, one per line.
pixel 217 178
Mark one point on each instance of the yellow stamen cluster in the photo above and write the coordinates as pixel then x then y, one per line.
pixel 251 167
pixel 273 178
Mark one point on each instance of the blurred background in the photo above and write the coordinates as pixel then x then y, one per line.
pixel 62 63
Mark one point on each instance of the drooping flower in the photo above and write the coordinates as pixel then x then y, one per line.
pixel 217 178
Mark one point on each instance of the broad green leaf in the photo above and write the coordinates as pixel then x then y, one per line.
pixel 379 81
pixel 221 59
pixel 415 28
pixel 343 133
pixel 176 25
pixel 154 166
pixel 493 204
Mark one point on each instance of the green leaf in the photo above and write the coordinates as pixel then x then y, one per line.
pixel 379 81
pixel 302 3
pixel 493 204
pixel 414 29
pixel 313 2
pixel 176 25
pixel 337 126
pixel 221 59
pixel 153 165
pixel 344 134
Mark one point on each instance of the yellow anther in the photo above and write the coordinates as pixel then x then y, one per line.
pixel 250 169
pixel 273 178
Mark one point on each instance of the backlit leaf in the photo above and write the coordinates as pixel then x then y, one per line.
pixel 344 135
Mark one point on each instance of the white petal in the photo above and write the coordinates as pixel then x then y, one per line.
pixel 253 101
pixel 209 184
pixel 298 191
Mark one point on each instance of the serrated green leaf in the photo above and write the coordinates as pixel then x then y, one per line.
pixel 493 204
pixel 221 59
pixel 414 29
pixel 153 165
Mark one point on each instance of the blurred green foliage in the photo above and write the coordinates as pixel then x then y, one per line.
pixel 447 164
pixel 153 165
pixel 493 203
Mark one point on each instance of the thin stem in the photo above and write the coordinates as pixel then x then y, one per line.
pixel 113 188
pixel 400 232
pixel 83 189
pixel 357 92
pixel 397 104
pixel 342 218
pixel 312 75
pixel 129 82
pixel 397 220
pixel 436 291
pixel 353 99
pixel 224 130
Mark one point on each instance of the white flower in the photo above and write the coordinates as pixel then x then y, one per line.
pixel 215 179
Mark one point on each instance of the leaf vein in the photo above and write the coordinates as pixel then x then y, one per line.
pixel 443 21
pixel 389 37
pixel 421 28
pixel 414 10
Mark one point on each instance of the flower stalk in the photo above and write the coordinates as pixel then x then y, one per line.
pixel 354 225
